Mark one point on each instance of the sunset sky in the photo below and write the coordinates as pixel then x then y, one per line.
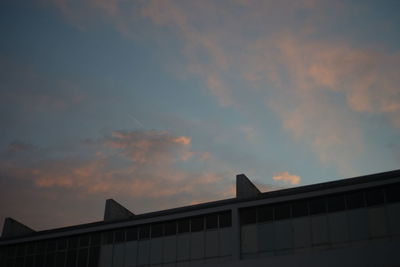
pixel 160 103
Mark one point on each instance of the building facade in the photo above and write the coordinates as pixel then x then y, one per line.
pixel 349 222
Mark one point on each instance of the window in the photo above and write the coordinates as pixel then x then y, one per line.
pixel 317 206
pixel 82 257
pixel 374 197
pixel 50 258
pixel 60 258
pixel 29 261
pixel 355 200
pixel 212 221
pixel 31 248
pixel 39 260
pixel 248 216
pixel 282 211
pixel 335 203
pixel 95 239
pixel 225 219
pixel 157 230
pixel 21 250
pixel 197 224
pixel 72 242
pixel 265 213
pixel 94 255
pixel 41 247
pixel 108 237
pixel 300 208
pixel 132 234
pixel 71 258
pixel 51 246
pixel 119 236
pixel 393 193
pixel 144 232
pixel 183 226
pixel 84 241
pixel 62 244
pixel 19 262
pixel 170 228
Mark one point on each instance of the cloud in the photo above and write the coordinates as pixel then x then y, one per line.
pixel 151 170
pixel 287 178
pixel 321 89
pixel 155 147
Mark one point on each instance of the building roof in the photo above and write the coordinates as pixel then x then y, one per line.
pixel 384 176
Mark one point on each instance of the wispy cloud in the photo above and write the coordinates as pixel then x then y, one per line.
pixel 139 166
pixel 287 178
pixel 320 89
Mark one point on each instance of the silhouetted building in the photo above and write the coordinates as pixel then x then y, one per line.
pixel 349 222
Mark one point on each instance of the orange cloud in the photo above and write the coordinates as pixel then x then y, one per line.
pixel 318 89
pixel 138 165
pixel 155 147
pixel 287 178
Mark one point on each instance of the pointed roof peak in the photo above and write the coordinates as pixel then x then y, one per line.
pixel 115 211
pixel 245 188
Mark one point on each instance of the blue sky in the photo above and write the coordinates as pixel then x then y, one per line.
pixel 159 104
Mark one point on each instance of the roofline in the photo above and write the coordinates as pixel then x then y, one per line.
pixel 383 176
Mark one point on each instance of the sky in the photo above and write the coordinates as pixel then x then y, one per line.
pixel 160 103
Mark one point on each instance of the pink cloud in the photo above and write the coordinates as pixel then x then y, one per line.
pixel 318 89
pixel 138 165
pixel 287 178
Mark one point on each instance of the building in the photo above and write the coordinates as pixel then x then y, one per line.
pixel 349 222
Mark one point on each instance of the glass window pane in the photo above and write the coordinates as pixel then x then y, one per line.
pixel 300 208
pixel 94 256
pixel 30 261
pixel 170 228
pixel 355 200
pixel 50 260
pixel 282 211
pixel 119 236
pixel 317 206
pixel 335 203
pixel 82 257
pixel 144 232
pixel 60 258
pixel 212 221
pixel 71 258
pixel 21 250
pixel 248 216
pixel 265 213
pixel 10 262
pixel 183 226
pixel 41 247
pixel 72 242
pixel 132 234
pixel 95 240
pixel 374 197
pixel 39 260
pixel 84 241
pixel 31 248
pixel 157 230
pixel 51 246
pixel 393 193
pixel 108 237
pixel 19 262
pixel 225 219
pixel 62 244
pixel 197 224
